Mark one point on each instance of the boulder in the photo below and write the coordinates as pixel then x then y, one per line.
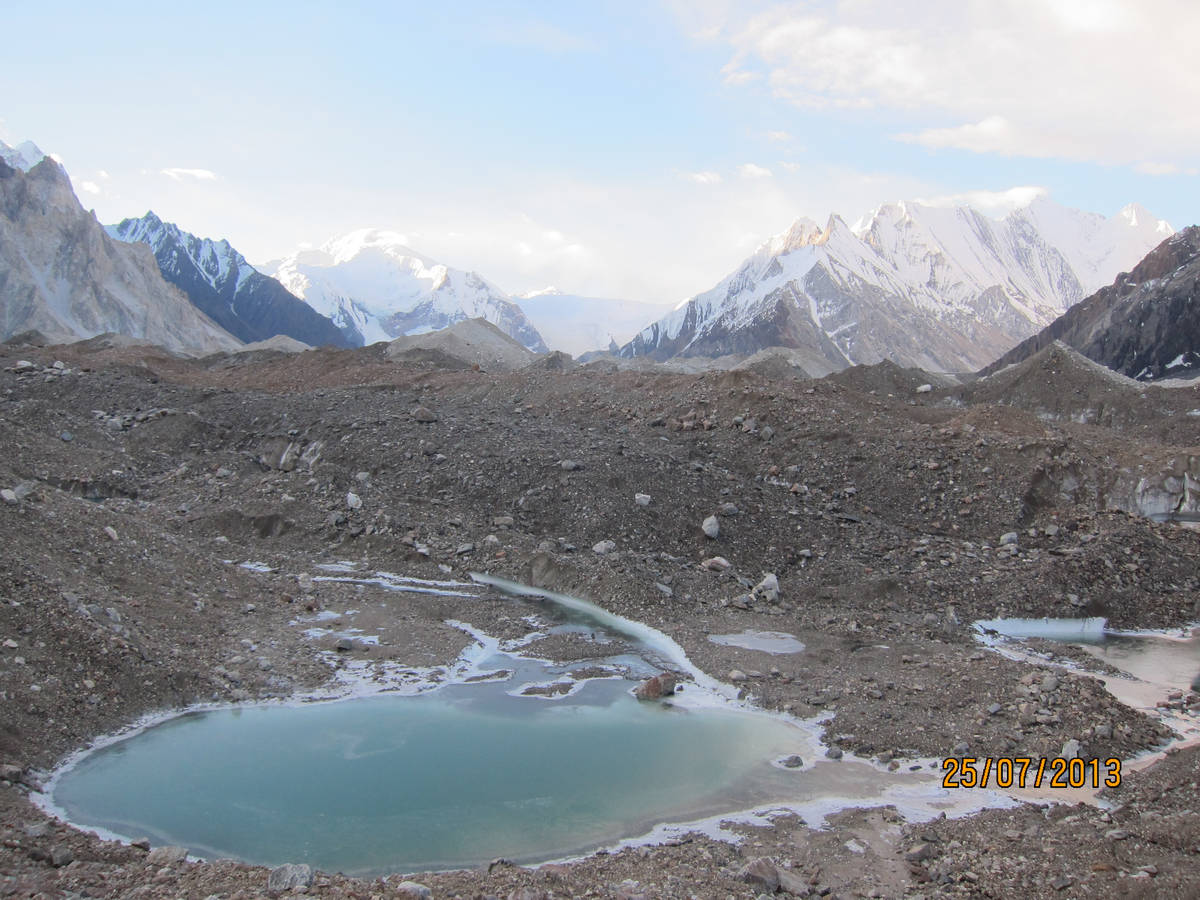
pixel 661 685
pixel 288 876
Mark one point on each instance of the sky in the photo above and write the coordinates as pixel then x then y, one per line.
pixel 622 149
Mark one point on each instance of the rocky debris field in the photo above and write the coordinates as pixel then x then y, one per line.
pixel 871 519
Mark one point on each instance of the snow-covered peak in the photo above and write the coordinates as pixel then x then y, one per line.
pixel 24 156
pixel 364 240
pixel 802 233
pixel 1137 216
pixel 370 283
pixel 215 260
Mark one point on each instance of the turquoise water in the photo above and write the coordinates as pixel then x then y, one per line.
pixel 447 779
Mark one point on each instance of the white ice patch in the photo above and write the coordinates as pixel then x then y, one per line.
pixel 775 642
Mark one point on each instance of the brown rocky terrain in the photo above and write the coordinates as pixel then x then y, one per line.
pixel 891 517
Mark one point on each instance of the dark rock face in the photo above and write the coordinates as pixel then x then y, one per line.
pixel 1145 325
pixel 220 283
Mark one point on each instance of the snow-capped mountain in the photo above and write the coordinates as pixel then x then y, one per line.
pixel 61 274
pixel 1146 324
pixel 576 324
pixel 24 156
pixel 374 288
pixel 219 281
pixel 945 289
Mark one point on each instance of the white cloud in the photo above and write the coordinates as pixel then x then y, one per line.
pixel 993 203
pixel 703 177
pixel 104 175
pixel 1109 81
pixel 991 135
pixel 180 174
pixel 750 170
pixel 779 136
pixel 89 186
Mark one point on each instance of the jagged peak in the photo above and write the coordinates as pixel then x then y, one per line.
pixel 1137 216
pixel 802 233
pixel 24 156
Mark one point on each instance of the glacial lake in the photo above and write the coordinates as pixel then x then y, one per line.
pixel 511 757
pixel 442 780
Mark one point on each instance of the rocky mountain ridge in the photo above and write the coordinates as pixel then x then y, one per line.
pixel 62 275
pixel 219 281
pixel 941 289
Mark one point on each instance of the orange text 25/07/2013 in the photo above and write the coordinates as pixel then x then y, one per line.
pixel 1029 772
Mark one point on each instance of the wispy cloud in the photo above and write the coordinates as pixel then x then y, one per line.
pixel 1108 81
pixel 991 202
pixel 750 170
pixel 89 187
pixel 197 174
pixel 703 177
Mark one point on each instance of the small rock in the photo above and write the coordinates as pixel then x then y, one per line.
pixel 924 388
pixel 1009 537
pixel 761 872
pixel 1049 684
pixel 424 415
pixel 641 499
pixel 1051 530
pixel 715 564
pixel 711 527
pixel 1070 750
pixel 61 856
pixel 464 549
pixel 834 753
pixel 9 497
pixel 729 509
pixel 344 645
pixel 111 532
pixel 353 501
pixel 1062 882
pixel 288 876
pixel 736 675
pixel 919 852
pixel 768 588
pixel 793 762
pixel 166 856
pixel 1116 834
pixel 413 889
pixel 66 437
pixel 994 708
pixel 502 521
pixel 661 685
pixel 570 465
pixel 1103 731
pixel 604 547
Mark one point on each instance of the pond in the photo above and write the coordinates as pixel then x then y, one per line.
pixel 510 756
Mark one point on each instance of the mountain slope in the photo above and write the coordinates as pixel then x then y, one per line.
pixel 61 274
pixel 1146 324
pixel 944 289
pixel 219 281
pixel 374 289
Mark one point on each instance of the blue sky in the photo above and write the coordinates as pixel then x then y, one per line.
pixel 633 149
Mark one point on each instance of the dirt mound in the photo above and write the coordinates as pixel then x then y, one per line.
pixel 475 342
